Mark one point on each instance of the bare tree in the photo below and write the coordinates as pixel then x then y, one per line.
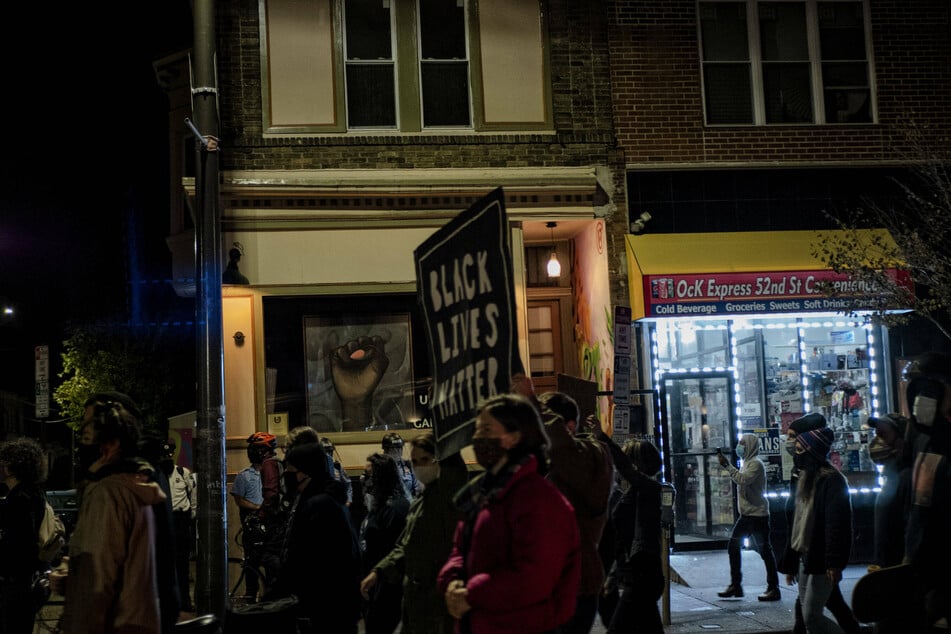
pixel 919 221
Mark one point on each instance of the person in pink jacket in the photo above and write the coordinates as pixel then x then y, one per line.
pixel 515 565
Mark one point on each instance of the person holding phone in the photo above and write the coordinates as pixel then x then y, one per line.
pixel 753 522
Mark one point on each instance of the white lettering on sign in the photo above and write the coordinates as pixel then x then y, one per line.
pixel 466 278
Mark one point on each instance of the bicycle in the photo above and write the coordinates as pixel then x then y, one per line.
pixel 250 562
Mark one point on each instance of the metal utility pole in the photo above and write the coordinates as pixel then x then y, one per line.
pixel 212 564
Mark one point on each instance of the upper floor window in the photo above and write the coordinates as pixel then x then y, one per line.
pixel 404 65
pixel 786 62
pixel 440 89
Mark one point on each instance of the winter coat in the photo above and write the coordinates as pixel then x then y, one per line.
pixel 320 563
pixel 21 513
pixel 892 507
pixel 422 549
pixel 751 479
pixel 635 520
pixel 518 554
pixel 582 469
pixel 830 541
pixel 111 585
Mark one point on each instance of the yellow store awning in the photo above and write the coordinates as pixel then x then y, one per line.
pixel 691 254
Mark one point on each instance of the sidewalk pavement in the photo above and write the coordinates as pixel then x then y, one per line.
pixel 696 607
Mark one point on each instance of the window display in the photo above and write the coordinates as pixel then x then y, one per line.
pixel 783 368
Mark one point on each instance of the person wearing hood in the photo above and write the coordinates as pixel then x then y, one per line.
pixel 893 503
pixel 319 538
pixel 111 583
pixel 753 522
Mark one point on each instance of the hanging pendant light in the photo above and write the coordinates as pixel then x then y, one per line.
pixel 554 266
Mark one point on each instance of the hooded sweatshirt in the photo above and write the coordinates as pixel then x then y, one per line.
pixel 751 479
pixel 112 582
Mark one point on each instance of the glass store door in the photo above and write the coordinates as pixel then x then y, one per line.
pixel 699 416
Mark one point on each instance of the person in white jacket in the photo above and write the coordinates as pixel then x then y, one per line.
pixel 754 518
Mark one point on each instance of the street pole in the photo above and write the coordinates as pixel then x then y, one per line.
pixel 211 567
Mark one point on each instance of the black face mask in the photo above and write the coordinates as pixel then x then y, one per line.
pixel 805 461
pixel 290 483
pixel 87 455
pixel 488 451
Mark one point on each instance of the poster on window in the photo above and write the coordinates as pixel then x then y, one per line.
pixel 466 297
pixel 359 372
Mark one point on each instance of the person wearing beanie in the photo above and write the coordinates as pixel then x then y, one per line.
pixel 836 603
pixel 819 539
pixel 319 537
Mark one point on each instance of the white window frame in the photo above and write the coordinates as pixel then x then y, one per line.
pixel 464 4
pixel 815 63
pixel 394 64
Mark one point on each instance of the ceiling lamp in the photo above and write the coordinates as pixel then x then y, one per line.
pixel 554 266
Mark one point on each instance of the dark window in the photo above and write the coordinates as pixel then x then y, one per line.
pixel 444 63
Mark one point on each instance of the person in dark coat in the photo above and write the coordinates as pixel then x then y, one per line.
pixel 836 603
pixel 320 561
pixel 582 469
pixel 927 546
pixel 637 572
pixel 893 503
pixel 819 539
pixel 22 469
pixel 387 510
pixel 425 542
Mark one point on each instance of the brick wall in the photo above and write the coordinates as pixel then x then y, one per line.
pixel 581 102
pixel 658 99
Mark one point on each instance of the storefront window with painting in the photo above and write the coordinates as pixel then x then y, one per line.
pixel 722 378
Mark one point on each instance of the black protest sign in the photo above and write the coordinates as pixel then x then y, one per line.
pixel 464 287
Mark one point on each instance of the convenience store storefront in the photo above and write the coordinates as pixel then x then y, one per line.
pixel 738 338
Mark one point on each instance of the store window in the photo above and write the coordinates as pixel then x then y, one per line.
pixel 780 368
pixel 785 62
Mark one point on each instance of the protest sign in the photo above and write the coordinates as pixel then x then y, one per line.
pixel 465 292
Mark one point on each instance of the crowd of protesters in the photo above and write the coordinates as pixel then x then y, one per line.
pixel 516 545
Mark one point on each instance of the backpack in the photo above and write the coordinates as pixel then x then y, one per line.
pixel 51 536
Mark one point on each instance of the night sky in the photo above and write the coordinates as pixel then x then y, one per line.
pixel 84 165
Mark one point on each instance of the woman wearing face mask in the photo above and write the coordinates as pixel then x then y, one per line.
pixel 515 564
pixel 387 510
pixel 820 528
pixel 425 541
pixel 894 500
pixel 836 602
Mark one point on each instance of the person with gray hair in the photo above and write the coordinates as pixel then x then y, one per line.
pixel 22 468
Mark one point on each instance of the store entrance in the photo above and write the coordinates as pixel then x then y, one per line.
pixel 698 411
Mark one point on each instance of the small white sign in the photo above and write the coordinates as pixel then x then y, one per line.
pixel 622 330
pixel 277 424
pixel 622 421
pixel 622 380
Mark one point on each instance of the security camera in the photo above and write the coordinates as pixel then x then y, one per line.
pixel 638 225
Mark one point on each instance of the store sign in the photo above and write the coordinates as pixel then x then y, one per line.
pixel 758 293
pixel 465 292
